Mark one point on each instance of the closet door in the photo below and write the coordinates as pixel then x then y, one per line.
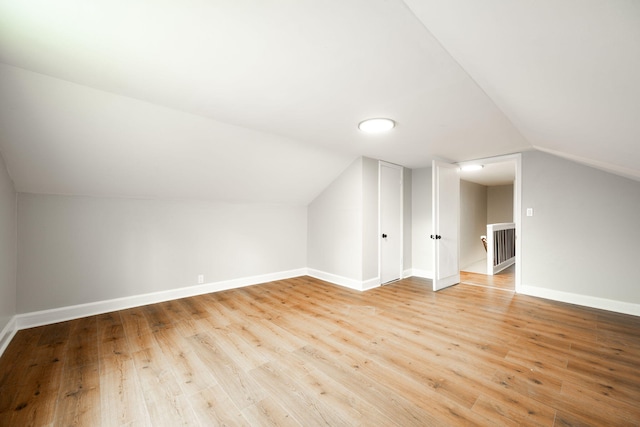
pixel 390 228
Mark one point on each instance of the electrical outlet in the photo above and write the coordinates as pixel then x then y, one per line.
pixel 200 278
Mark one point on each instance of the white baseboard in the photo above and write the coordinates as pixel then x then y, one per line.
pixel 370 284
pixel 358 285
pixel 424 274
pixel 583 300
pixel 46 317
pixel 7 334
pixel 335 279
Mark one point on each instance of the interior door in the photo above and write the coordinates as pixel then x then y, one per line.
pixel 390 218
pixel 446 225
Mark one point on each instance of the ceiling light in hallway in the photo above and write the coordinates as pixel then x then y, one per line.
pixel 470 168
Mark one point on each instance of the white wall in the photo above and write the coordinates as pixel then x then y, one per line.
pixel 343 226
pixel 473 222
pixel 335 225
pixel 8 252
pixel 75 250
pixel 500 204
pixel 421 223
pixel 369 218
pixel 407 221
pixel 582 244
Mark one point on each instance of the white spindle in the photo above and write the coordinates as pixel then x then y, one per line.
pixel 501 246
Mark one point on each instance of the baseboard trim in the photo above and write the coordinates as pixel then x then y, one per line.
pixel 346 282
pixel 335 279
pixel 7 334
pixel 583 300
pixel 371 283
pixel 47 317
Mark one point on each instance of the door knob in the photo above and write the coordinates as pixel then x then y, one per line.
pixel 437 236
pixel 384 236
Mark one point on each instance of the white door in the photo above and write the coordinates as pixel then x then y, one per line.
pixel 390 209
pixel 446 225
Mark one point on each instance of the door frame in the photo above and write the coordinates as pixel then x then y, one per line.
pixel 517 202
pixel 382 164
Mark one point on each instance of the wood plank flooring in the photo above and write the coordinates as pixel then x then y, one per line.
pixel 505 280
pixel 302 352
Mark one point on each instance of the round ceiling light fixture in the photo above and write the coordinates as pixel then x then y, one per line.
pixel 376 125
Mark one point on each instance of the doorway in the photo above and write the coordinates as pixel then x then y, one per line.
pixel 487 196
pixel 492 168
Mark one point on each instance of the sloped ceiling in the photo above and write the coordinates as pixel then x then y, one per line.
pixel 566 73
pixel 259 101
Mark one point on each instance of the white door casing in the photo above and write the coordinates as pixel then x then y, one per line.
pixel 517 202
pixel 446 225
pixel 390 222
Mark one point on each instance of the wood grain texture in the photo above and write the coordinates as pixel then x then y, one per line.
pixel 302 352
pixel 506 279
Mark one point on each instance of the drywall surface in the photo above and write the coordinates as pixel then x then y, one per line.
pixel 421 222
pixel 407 219
pixel 8 251
pixel 64 138
pixel 75 250
pixel 583 237
pixel 473 222
pixel 343 224
pixel 370 214
pixel 335 226
pixel 500 204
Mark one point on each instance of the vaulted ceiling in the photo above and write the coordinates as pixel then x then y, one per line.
pixel 259 101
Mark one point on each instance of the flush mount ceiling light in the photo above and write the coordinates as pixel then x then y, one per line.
pixel 471 168
pixel 376 125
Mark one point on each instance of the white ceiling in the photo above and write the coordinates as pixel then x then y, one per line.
pixel 492 174
pixel 259 101
pixel 566 73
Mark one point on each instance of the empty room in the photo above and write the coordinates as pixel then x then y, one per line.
pixel 304 213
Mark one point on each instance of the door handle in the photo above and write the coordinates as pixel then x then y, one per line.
pixel 436 237
pixel 384 236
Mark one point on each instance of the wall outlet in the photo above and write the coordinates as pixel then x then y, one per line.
pixel 200 278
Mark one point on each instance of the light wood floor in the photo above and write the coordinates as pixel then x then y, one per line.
pixel 301 352
pixel 506 279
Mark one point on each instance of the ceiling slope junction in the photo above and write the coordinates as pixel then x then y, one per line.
pixel 566 73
